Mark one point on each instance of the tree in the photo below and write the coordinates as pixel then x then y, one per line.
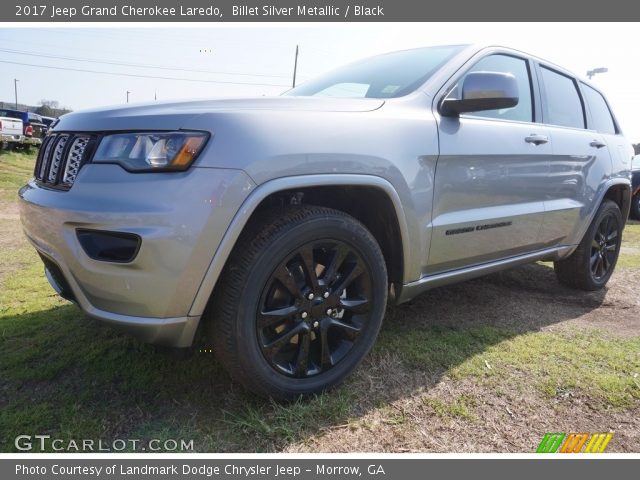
pixel 51 108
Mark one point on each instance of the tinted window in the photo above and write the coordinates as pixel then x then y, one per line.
pixel 385 76
pixel 600 114
pixel 517 67
pixel 563 105
pixel 10 114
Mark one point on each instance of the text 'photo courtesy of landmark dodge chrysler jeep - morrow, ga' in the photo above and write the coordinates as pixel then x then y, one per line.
pixel 283 226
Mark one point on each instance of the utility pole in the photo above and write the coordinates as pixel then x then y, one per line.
pixel 15 88
pixel 128 92
pixel 295 67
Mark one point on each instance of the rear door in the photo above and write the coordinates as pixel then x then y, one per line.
pixel 490 177
pixel 581 159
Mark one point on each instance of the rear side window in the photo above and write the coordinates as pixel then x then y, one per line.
pixel 600 113
pixel 562 105
pixel 523 111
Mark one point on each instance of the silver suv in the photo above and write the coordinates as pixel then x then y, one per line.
pixel 283 226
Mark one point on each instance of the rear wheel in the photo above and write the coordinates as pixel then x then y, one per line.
pixel 300 302
pixel 591 265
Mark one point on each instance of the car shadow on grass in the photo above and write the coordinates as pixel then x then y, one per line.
pixel 64 375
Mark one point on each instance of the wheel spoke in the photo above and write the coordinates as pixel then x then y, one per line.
pixel 351 331
pixel 610 257
pixel 275 317
pixel 599 267
pixel 355 305
pixel 594 259
pixel 612 235
pixel 325 351
pixel 284 276
pixel 595 244
pixel 309 267
pixel 302 359
pixel 276 345
pixel 353 272
pixel 338 256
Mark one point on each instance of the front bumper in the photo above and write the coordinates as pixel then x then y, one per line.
pixel 180 217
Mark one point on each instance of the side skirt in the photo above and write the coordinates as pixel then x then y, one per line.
pixel 427 282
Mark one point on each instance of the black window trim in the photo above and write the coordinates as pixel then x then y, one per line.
pixel 536 103
pixel 543 96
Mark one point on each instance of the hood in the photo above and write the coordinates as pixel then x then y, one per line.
pixel 173 115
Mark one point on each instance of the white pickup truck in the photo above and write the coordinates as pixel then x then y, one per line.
pixel 11 132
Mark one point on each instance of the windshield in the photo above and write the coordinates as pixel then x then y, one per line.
pixel 385 76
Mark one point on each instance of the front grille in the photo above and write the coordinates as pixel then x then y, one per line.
pixel 60 158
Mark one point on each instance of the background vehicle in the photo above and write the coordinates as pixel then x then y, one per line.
pixel 34 129
pixel 287 223
pixel 48 120
pixel 10 132
pixel 635 188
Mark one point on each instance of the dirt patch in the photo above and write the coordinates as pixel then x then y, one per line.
pixel 503 420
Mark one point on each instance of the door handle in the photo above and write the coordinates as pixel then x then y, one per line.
pixel 598 144
pixel 536 139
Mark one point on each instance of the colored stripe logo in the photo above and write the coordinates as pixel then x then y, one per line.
pixel 583 442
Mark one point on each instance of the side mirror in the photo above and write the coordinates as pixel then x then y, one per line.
pixel 483 91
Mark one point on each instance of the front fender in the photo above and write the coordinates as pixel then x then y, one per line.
pixel 281 184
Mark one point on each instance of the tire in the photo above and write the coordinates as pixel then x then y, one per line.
pixel 635 207
pixel 262 328
pixel 590 266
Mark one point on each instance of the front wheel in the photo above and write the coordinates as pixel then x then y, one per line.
pixel 590 266
pixel 300 302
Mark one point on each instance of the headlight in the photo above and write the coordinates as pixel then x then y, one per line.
pixel 151 151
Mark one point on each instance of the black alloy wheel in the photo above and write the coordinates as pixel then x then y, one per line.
pixel 604 247
pixel 314 308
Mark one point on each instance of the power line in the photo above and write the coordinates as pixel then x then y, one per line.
pixel 144 76
pixel 127 64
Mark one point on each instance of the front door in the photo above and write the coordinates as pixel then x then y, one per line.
pixel 490 178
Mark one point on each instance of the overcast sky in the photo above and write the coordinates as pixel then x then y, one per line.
pixel 259 54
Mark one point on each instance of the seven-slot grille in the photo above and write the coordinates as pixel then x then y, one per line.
pixel 60 158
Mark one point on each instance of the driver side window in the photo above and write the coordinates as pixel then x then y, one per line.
pixel 523 111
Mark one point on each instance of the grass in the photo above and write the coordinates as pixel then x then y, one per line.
pixel 460 408
pixel 70 377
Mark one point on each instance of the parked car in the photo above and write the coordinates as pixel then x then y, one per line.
pixel 10 132
pixel 285 225
pixel 48 120
pixel 635 188
pixel 34 129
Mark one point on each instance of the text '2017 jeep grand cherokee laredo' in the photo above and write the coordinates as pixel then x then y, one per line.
pixel 293 218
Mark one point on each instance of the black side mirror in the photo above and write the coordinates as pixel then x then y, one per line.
pixel 483 91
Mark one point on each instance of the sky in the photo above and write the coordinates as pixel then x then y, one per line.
pixel 205 61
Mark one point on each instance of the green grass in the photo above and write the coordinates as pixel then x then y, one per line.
pixel 16 168
pixel 65 375
pixel 459 408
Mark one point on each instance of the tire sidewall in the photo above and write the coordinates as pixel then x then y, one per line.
pixel 280 247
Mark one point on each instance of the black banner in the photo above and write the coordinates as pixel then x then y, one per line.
pixel 317 468
pixel 315 11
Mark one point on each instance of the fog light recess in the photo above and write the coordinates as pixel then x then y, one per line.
pixel 118 247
